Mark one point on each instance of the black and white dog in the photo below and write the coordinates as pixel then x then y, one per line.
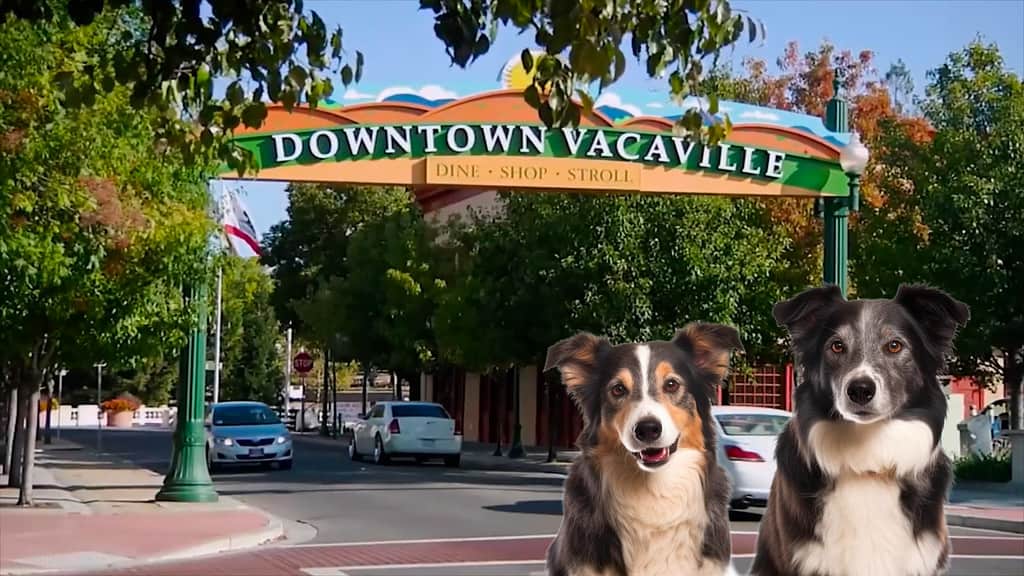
pixel 646 497
pixel 861 479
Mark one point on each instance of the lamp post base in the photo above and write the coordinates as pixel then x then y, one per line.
pixel 188 479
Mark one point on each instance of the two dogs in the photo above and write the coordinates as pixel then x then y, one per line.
pixel 861 479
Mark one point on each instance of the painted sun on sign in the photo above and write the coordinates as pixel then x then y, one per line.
pixel 513 76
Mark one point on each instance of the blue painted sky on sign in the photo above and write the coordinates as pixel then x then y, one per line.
pixel 404 57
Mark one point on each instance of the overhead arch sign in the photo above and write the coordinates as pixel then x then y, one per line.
pixel 492 141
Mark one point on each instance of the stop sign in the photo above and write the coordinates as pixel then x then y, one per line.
pixel 302 363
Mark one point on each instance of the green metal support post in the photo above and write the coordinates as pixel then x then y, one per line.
pixel 836 211
pixel 188 479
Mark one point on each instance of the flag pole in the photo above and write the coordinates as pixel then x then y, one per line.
pixel 216 341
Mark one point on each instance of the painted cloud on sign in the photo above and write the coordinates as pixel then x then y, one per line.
pixel 613 100
pixel 759 115
pixel 355 94
pixel 428 92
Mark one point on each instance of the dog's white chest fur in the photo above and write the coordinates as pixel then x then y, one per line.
pixel 661 522
pixel 863 529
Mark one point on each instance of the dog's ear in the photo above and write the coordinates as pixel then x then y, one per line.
pixel 709 345
pixel 938 313
pixel 803 311
pixel 576 358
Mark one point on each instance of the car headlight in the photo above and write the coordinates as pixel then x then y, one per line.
pixel 224 441
pixel 282 439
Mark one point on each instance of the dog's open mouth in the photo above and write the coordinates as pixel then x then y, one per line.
pixel 654 457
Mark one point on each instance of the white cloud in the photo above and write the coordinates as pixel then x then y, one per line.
pixel 655 105
pixel 353 94
pixel 613 99
pixel 428 92
pixel 760 115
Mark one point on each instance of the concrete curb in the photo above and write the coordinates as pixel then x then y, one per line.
pixel 998 524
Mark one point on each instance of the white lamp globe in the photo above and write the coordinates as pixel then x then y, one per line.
pixel 854 156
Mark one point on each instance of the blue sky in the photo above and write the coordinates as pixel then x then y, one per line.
pixel 398 42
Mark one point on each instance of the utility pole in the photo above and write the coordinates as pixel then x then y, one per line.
pixel 60 398
pixel 288 375
pixel 99 405
pixel 216 338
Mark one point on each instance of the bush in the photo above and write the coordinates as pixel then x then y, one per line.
pixel 120 405
pixel 982 468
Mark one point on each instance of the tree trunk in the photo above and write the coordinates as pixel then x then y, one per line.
pixel 14 476
pixel 10 438
pixel 29 455
pixel 1013 374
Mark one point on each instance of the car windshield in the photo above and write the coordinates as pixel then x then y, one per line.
pixel 418 411
pixel 245 415
pixel 752 424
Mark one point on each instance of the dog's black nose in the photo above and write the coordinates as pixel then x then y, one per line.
pixel 861 391
pixel 648 430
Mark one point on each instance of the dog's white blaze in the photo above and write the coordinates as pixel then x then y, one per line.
pixel 864 532
pixel 643 356
pixel 647 407
pixel 900 446
pixel 661 521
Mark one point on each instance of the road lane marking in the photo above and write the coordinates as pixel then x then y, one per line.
pixel 340 570
pixel 427 541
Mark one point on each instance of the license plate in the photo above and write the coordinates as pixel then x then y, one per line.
pixel 255 452
pixel 428 442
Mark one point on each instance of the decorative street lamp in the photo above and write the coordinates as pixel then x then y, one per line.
pixel 835 211
pixel 854 160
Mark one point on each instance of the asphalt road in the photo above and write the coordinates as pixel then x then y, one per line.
pixel 494 522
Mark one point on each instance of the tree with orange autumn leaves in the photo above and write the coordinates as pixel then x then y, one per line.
pixel 802 82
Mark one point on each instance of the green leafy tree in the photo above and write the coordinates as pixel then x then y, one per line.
pixel 957 210
pixel 98 230
pixel 309 247
pixel 251 334
pixel 630 267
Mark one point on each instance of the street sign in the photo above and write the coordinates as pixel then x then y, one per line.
pixel 302 363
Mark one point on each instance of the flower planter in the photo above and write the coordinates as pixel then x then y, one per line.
pixel 119 419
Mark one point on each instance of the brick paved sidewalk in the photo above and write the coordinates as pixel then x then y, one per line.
pixel 96 512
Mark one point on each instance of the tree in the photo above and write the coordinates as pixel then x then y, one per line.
pixel 251 334
pixel 309 247
pixel 900 85
pixel 97 229
pixel 629 267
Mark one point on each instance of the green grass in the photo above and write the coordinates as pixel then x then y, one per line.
pixel 980 468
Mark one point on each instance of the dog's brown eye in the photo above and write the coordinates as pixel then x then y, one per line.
pixel 671 385
pixel 837 347
pixel 619 391
pixel 894 347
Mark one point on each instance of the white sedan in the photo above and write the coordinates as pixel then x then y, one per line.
pixel 747 436
pixel 420 430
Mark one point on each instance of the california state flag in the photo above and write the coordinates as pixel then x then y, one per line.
pixel 236 221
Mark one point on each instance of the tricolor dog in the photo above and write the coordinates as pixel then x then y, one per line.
pixel 646 497
pixel 861 478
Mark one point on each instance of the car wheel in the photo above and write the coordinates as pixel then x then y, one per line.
pixel 211 466
pixel 379 455
pixel 353 453
pixel 453 461
pixel 284 465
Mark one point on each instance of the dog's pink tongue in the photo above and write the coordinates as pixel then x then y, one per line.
pixel 654 454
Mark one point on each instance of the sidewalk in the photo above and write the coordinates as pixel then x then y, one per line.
pixel 987 505
pixel 96 512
